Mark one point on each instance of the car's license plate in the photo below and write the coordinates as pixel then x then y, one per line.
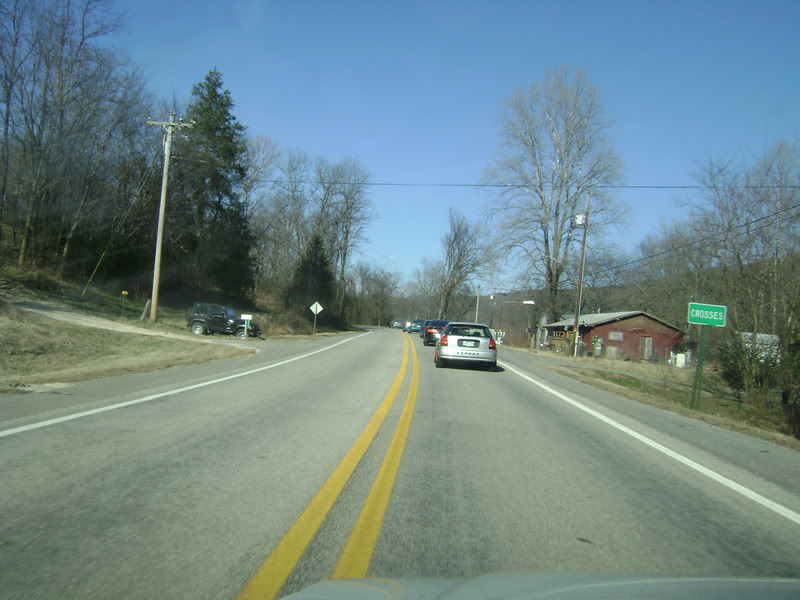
pixel 469 343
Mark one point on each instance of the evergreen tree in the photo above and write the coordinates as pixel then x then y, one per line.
pixel 210 221
pixel 312 282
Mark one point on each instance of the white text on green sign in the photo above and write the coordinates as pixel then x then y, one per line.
pixel 707 314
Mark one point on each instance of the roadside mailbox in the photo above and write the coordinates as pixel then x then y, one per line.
pixel 246 319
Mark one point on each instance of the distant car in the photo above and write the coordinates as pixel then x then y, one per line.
pixel 204 317
pixel 424 325
pixel 396 325
pixel 467 344
pixel 415 325
pixel 433 331
pixel 407 326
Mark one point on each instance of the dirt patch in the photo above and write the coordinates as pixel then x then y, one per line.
pixel 55 311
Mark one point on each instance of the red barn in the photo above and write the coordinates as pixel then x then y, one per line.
pixel 631 334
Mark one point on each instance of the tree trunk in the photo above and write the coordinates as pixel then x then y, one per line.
pixel 73 227
pixel 340 291
pixel 27 234
pixel 6 165
pixel 65 252
pixel 552 299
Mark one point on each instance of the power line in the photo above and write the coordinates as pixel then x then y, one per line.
pixel 517 186
pixel 497 185
pixel 663 253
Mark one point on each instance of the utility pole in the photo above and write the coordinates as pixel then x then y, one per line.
pixel 580 220
pixel 477 304
pixel 170 127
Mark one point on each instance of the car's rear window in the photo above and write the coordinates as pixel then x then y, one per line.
pixel 468 330
pixel 438 323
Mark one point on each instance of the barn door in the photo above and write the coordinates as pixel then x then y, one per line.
pixel 646 347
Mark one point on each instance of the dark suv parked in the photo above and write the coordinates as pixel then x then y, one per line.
pixel 205 317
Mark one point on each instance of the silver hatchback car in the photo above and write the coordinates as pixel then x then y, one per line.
pixel 466 343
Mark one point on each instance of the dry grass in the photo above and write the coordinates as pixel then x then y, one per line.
pixel 44 285
pixel 36 350
pixel 650 384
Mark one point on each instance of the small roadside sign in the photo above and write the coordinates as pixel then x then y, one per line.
pixel 704 315
pixel 707 314
pixel 246 319
pixel 316 308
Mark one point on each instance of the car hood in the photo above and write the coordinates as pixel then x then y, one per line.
pixel 554 586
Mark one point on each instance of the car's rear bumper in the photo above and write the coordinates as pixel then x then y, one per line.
pixel 481 356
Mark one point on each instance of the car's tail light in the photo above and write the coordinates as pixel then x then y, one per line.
pixel 492 344
pixel 443 341
pixel 431 330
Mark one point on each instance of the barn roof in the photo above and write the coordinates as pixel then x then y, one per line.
pixel 595 319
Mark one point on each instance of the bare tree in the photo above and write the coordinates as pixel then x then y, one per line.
pixel 342 211
pixel 15 50
pixel 602 290
pixel 750 217
pixel 311 197
pixel 115 100
pixel 556 153
pixel 375 288
pixel 261 160
pixel 675 274
pixel 70 101
pixel 424 292
pixel 747 216
pixel 323 194
pixel 464 259
pixel 739 249
pixel 281 223
pixel 353 214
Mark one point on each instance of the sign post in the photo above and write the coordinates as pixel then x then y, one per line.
pixel 246 319
pixel 316 308
pixel 703 315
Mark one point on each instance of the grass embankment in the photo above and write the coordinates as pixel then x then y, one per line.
pixel 670 388
pixel 44 286
pixel 35 349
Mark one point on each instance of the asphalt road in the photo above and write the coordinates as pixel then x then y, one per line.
pixel 256 476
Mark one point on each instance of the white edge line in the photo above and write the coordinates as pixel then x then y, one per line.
pixel 94 411
pixel 736 487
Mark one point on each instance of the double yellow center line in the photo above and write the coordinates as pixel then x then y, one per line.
pixel 355 558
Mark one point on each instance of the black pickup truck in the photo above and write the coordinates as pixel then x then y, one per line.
pixel 203 318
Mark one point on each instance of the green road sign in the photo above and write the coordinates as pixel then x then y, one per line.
pixel 707 314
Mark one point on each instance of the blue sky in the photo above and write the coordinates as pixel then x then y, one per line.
pixel 416 90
